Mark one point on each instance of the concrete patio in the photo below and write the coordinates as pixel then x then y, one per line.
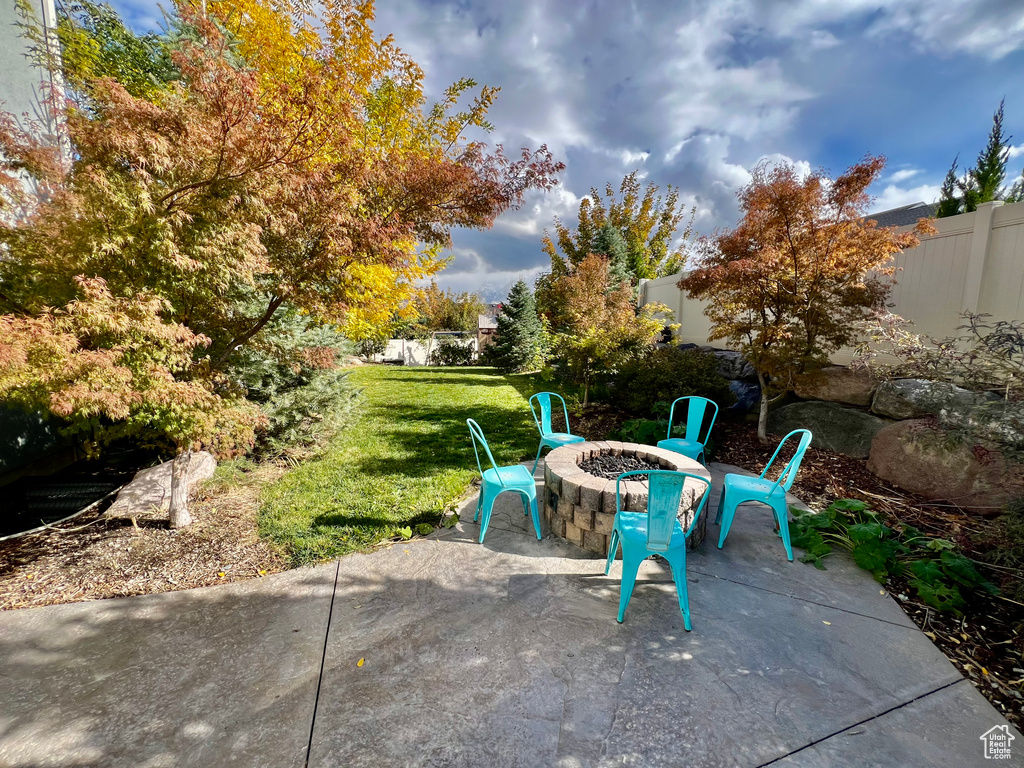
pixel 505 654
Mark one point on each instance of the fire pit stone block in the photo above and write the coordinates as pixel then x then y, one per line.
pixel 583 518
pixel 604 522
pixel 591 490
pixel 595 542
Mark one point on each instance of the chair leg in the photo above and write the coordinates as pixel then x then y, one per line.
pixel 721 503
pixel 537 460
pixel 613 545
pixel 630 566
pixel 536 515
pixel 728 512
pixel 488 505
pixel 782 515
pixel 678 564
pixel 479 503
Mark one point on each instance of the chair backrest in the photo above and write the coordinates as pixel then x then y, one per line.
pixel 696 409
pixel 793 465
pixel 542 401
pixel 479 440
pixel 664 494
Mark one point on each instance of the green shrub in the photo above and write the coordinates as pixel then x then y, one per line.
pixel 1010 550
pixel 368 348
pixel 449 350
pixel 520 343
pixel 650 431
pixel 291 371
pixel 643 431
pixel 935 570
pixel 667 373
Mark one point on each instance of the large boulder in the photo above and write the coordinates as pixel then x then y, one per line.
pixel 835 428
pixel 995 421
pixel 149 492
pixel 915 398
pixel 920 457
pixel 748 396
pixel 837 384
pixel 731 364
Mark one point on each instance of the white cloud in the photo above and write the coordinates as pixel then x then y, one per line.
pixel 538 212
pixel 1016 151
pixel 820 40
pixel 990 29
pixel 470 272
pixel 903 175
pixel 894 196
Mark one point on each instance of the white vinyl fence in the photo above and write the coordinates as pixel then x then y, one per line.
pixel 416 353
pixel 974 262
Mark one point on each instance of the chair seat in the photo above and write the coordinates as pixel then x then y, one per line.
pixel 633 527
pixel 689 448
pixel 516 475
pixel 749 487
pixel 561 438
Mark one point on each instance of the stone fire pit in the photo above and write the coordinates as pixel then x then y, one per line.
pixel 580 506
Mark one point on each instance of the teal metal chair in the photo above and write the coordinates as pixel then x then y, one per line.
pixel 542 401
pixel 741 489
pixel 497 480
pixel 692 446
pixel 656 532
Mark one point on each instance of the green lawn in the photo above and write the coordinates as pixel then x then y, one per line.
pixel 405 460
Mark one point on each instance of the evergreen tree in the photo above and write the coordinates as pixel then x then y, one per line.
pixel 949 202
pixel 1016 193
pixel 519 345
pixel 609 242
pixel 984 182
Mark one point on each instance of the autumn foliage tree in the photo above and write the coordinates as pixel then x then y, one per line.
pixel 602 327
pixel 289 164
pixel 647 222
pixel 790 284
pixel 442 310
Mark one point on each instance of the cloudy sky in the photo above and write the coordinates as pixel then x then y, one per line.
pixel 694 94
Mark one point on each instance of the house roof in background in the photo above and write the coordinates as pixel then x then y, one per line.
pixel 907 214
pixel 486 321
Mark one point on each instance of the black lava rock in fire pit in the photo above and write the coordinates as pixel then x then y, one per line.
pixel 610 467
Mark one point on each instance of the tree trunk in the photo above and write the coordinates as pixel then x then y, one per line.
pixel 179 515
pixel 762 416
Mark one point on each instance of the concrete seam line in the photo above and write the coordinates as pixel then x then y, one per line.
pixel 862 722
pixel 323 661
pixel 805 600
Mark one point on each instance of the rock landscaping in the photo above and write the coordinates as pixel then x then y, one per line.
pixel 837 384
pixel 835 428
pixel 920 457
pixel 914 398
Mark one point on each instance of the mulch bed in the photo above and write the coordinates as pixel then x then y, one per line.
pixel 93 557
pixel 596 423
